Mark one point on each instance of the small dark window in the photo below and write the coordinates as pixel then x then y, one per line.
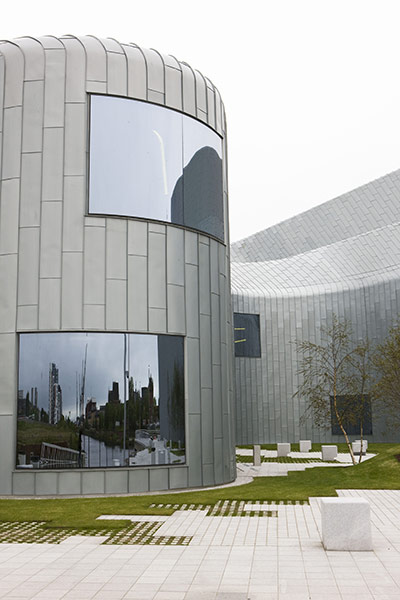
pixel 352 412
pixel 247 335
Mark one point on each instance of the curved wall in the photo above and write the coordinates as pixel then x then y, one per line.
pixel 341 257
pixel 62 269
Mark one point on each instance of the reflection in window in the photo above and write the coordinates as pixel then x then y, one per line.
pixel 152 162
pixel 76 409
pixel 247 335
pixel 355 411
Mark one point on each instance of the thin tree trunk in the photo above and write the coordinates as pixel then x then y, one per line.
pixel 339 420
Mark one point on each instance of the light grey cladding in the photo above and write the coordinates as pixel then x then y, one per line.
pixel 342 258
pixel 67 270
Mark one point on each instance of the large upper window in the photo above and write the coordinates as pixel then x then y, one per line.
pixel 100 400
pixel 153 162
pixel 247 335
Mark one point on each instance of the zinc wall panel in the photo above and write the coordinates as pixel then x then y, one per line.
pixel 75 70
pixel 75 139
pixel 50 304
pixel 193 375
pixel 94 265
pixel 14 75
pixel 116 244
pixel 173 88
pixel 11 141
pixel 116 304
pixel 53 158
pixel 72 290
pixel 176 309
pixel 175 256
pixel 32 120
pixel 74 209
pixel 137 73
pixel 9 209
pixel 192 300
pixel 50 240
pixel 156 275
pixel 137 238
pixel 137 293
pixel 31 188
pixel 96 69
pixel 8 292
pixel 28 268
pixel 54 91
pixel 117 82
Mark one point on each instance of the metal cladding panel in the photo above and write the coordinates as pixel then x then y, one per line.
pixel 342 258
pixel 50 239
pixel 31 187
pixel 116 304
pixel 73 208
pixel 46 484
pixel 11 158
pixel 68 270
pixel 50 304
pixel 7 449
pixel 72 290
pixel 8 292
pixel 32 120
pixel 137 293
pixel 28 267
pixel 53 152
pixel 8 355
pixel 75 139
pixel 9 212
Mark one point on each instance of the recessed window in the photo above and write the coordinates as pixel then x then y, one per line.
pixel 247 335
pixel 100 400
pixel 152 162
pixel 354 413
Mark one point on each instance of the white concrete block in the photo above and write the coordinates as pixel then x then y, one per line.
pixel 356 445
pixel 283 449
pixel 329 452
pixel 346 524
pixel 305 445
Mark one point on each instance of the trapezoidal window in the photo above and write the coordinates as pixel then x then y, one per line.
pixel 152 162
pixel 247 335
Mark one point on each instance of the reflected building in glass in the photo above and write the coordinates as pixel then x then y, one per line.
pixel 115 362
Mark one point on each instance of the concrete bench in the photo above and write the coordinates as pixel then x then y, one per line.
pixel 257 455
pixel 356 445
pixel 305 445
pixel 329 452
pixel 283 449
pixel 346 524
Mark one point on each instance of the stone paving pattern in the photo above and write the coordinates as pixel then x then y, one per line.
pixel 228 558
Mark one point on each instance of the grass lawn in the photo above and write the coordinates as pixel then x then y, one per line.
pixel 381 472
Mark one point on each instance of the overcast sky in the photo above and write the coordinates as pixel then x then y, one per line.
pixel 311 87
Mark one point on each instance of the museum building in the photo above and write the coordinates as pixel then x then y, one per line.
pixel 340 258
pixel 116 368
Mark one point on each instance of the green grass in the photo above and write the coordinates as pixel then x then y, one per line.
pixel 381 472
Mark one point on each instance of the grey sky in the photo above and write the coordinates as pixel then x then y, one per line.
pixel 310 87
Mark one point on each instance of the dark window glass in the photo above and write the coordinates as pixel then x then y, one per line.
pixel 353 412
pixel 76 408
pixel 247 335
pixel 152 162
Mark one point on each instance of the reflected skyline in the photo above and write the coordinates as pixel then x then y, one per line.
pixel 97 399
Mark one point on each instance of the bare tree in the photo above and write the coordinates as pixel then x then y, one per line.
pixel 386 390
pixel 335 377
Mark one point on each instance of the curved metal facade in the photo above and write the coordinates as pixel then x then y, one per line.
pixel 62 269
pixel 341 257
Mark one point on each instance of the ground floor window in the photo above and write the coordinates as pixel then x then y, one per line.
pixel 100 400
pixel 355 412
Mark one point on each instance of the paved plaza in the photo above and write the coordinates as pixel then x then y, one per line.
pixel 275 557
